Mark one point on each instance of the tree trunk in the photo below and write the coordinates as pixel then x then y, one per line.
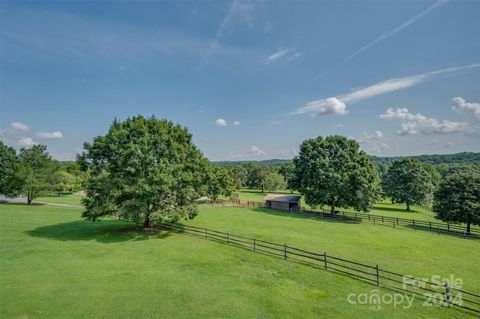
pixel 332 206
pixel 408 205
pixel 262 189
pixel 29 201
pixel 468 228
pixel 146 223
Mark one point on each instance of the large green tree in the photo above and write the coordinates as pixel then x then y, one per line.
pixel 8 169
pixel 274 181
pixel 238 174
pixel 286 170
pixel 219 182
pixel 408 182
pixel 458 199
pixel 256 175
pixel 143 169
pixel 36 172
pixel 334 171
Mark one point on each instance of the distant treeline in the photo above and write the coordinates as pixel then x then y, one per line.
pixel 445 164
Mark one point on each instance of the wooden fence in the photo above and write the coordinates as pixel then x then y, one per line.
pixel 455 229
pixel 445 294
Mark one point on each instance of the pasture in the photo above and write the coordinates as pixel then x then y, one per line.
pixel 56 265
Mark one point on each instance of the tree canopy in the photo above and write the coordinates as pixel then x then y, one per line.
pixel 333 171
pixel 143 169
pixel 458 199
pixel 407 181
pixel 219 182
pixel 35 173
pixel 274 181
pixel 8 168
pixel 256 175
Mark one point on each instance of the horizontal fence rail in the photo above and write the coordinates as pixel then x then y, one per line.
pixel 436 292
pixel 454 229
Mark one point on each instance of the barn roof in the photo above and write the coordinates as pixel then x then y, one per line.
pixel 283 198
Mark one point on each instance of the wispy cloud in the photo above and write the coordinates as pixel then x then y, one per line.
pixel 338 105
pixel 388 34
pixel 26 142
pixel 54 35
pixel 252 152
pixel 238 10
pixel 377 135
pixel 20 126
pixel 50 135
pixel 283 53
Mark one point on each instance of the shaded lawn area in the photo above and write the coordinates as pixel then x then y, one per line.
pixel 55 265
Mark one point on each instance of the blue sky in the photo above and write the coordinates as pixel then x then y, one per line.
pixel 250 80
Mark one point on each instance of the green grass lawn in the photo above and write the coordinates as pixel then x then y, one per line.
pixel 71 199
pixel 382 208
pixel 55 265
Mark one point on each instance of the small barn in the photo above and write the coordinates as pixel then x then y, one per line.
pixel 283 202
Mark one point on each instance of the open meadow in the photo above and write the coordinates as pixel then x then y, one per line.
pixel 56 265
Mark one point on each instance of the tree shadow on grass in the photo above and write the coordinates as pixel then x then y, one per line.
pixel 394 209
pixel 287 214
pixel 18 203
pixel 106 231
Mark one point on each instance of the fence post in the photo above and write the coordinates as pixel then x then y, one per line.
pixel 378 277
pixel 368 217
pixel 285 250
pixel 206 233
pixel 228 238
pixel 397 221
pixel 430 225
pixel 325 259
pixel 448 226
pixel 447 294
pixel 414 226
pixel 254 244
pixel 383 219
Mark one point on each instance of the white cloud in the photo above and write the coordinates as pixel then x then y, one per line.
pixel 221 122
pixel 377 135
pixel 337 105
pixel 20 126
pixel 26 141
pixel 433 142
pixel 252 152
pixel 339 125
pixel 448 145
pixel 418 123
pixel 255 151
pixel 288 153
pixel 288 53
pixel 386 35
pixel 331 105
pixel 460 105
pixel 236 123
pixel 54 134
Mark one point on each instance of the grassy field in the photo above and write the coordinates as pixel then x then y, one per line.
pixel 71 199
pixel 385 208
pixel 382 208
pixel 55 265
